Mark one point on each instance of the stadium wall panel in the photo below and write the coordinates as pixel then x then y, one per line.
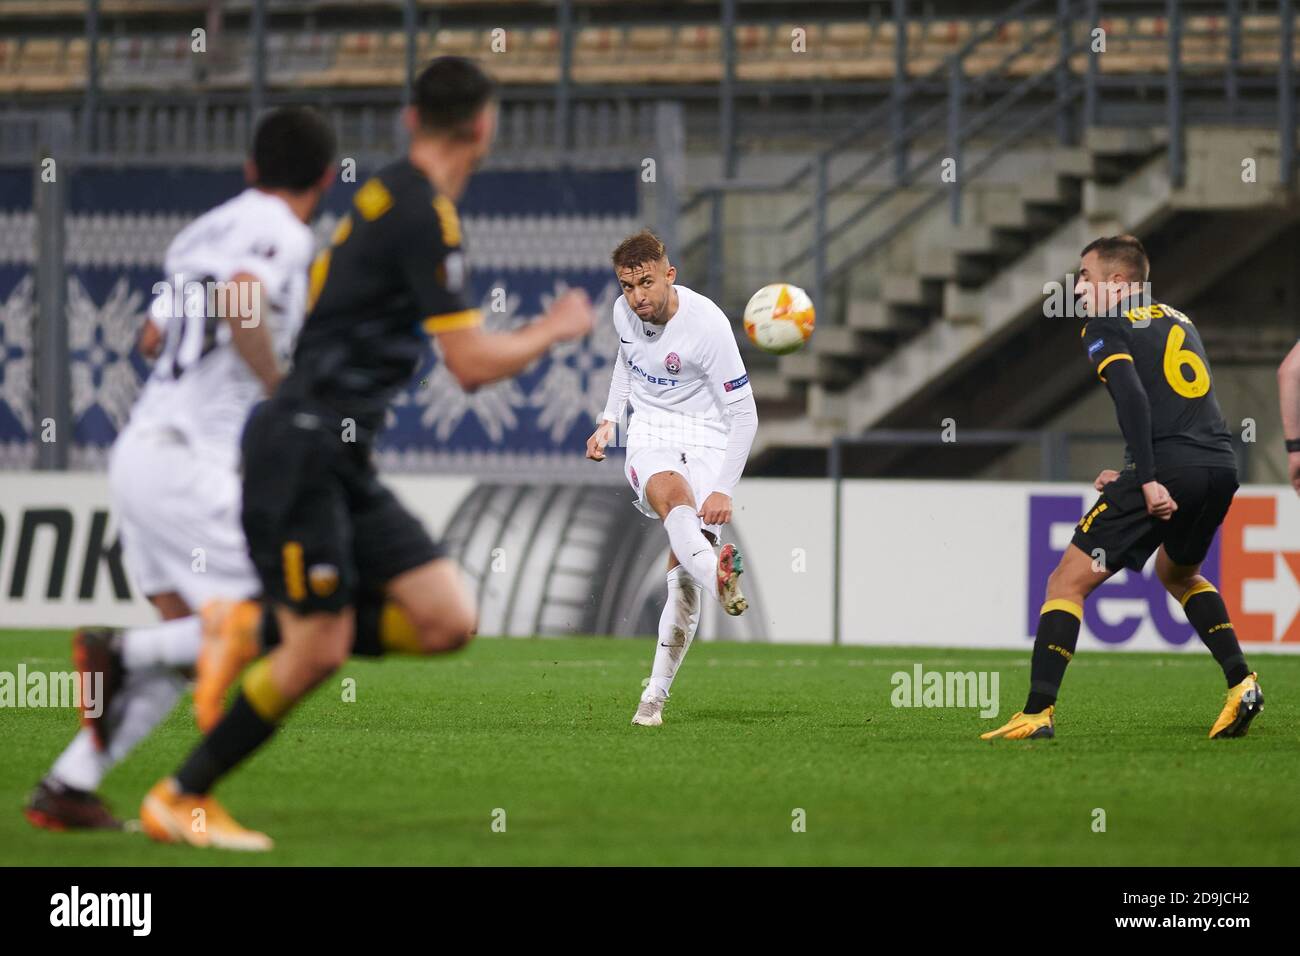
pixel 939 564
pixel 530 234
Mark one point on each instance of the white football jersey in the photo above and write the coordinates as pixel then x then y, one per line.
pixel 684 373
pixel 200 386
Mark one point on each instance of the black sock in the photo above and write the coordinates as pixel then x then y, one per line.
pixel 1209 615
pixel 240 732
pixel 269 635
pixel 366 642
pixel 1058 634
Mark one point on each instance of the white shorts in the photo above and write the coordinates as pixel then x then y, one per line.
pixel 178 519
pixel 698 464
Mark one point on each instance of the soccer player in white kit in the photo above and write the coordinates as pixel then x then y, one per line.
pixel 225 317
pixel 692 426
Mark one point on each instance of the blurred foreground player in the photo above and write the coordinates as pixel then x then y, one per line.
pixel 1179 477
pixel 693 424
pixel 347 566
pixel 239 276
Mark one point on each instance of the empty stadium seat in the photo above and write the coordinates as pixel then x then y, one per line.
pixel 647 53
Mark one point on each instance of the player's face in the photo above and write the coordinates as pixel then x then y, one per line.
pixel 1097 292
pixel 647 288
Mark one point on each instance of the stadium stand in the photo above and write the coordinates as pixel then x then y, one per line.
pixel 653 54
pixel 917 284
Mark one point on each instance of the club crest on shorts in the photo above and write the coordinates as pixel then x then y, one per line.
pixel 636 482
pixel 323 578
pixel 673 362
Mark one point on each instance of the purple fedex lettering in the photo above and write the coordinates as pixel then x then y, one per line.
pixel 1048 511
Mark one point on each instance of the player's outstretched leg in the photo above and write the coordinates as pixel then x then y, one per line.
pixel 65 797
pixel 231 631
pixel 1207 613
pixel 719 572
pixel 180 809
pixel 139 684
pixel 117 653
pixel 430 612
pixel 1058 634
pixel 97 655
pixel 677 626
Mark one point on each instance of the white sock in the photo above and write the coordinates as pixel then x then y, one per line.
pixel 167 644
pixel 694 553
pixel 144 701
pixel 677 627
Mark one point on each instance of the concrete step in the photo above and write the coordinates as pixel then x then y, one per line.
pixel 770 386
pixel 937 263
pixel 1045 189
pixel 971 240
pixel 908 291
pixel 961 304
pixel 847 345
pixel 868 315
pixel 1074 161
pixel 792 433
pixel 837 340
pixel 813 368
pixel 1124 141
pixel 826 407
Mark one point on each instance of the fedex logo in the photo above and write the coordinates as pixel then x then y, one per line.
pixel 1258 579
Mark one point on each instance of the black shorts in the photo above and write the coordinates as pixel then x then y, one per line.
pixel 320 526
pixel 1118 524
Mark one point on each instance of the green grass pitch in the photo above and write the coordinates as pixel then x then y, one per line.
pixel 413 771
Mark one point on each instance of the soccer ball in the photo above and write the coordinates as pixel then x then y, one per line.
pixel 779 318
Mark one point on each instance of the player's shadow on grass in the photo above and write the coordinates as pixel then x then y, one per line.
pixel 751 715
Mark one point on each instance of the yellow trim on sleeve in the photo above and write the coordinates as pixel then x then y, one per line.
pixel 1069 607
pixel 1202 588
pixel 453 321
pixel 1114 358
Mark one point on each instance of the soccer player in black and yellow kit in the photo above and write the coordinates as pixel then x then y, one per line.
pixel 1179 476
pixel 347 567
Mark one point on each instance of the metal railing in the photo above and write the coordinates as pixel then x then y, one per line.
pixel 214 129
pixel 948 107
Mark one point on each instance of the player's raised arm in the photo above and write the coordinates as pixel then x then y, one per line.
pixel 249 334
pixel 477 358
pixel 433 264
pixel 1288 388
pixel 620 386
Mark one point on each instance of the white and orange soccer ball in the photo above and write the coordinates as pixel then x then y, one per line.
pixel 779 318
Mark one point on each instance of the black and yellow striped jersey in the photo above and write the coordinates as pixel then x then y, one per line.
pixel 395 266
pixel 1187 426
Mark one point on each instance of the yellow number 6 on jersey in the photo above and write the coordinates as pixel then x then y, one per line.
pixel 1177 358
